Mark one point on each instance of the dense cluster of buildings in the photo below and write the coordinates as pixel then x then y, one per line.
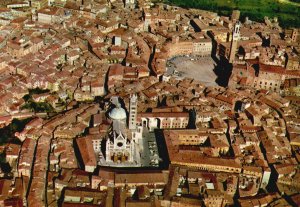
pixel 106 126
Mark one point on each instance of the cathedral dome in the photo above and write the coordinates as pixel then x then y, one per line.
pixel 117 113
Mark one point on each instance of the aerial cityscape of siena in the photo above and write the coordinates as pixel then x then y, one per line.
pixel 149 103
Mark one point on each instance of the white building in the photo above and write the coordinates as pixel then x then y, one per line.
pixel 130 4
pixel 121 149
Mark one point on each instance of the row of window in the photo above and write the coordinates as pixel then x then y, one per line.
pixel 266 83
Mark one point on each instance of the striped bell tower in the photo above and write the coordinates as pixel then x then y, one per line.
pixel 133 112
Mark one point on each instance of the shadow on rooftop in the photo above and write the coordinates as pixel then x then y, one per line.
pixel 223 72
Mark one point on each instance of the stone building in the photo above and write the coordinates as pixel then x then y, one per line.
pixel 120 148
pixel 201 47
pixel 133 112
pixel 234 42
pixel 164 120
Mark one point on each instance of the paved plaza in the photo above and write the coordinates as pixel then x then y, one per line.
pixel 198 68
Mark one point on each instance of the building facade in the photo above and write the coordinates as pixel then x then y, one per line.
pixel 234 42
